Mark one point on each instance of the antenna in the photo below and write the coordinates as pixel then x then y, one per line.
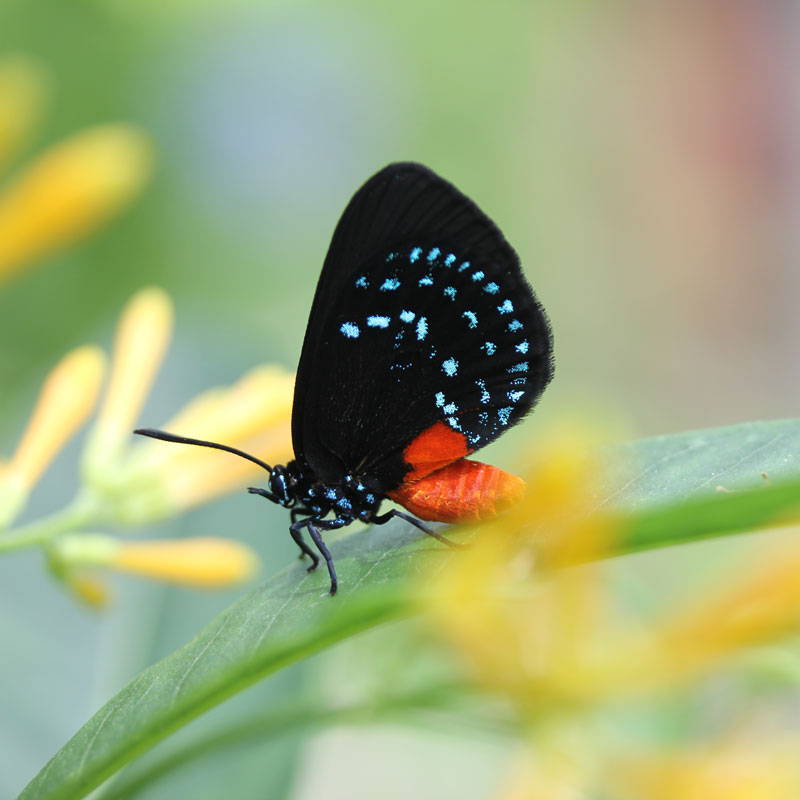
pixel 171 437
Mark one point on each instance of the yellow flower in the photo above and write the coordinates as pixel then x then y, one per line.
pixel 552 637
pixel 69 190
pixel 67 398
pixel 145 480
pixel 742 770
pixel 23 86
pixel 205 563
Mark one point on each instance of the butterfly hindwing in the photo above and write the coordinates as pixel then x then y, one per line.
pixel 424 336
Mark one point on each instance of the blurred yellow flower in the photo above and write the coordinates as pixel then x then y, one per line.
pixel 205 563
pixel 551 637
pixel 69 190
pixel 23 86
pixel 142 337
pixel 745 770
pixel 146 480
pixel 67 398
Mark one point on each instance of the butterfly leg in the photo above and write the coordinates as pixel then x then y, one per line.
pixel 295 530
pixel 305 550
pixel 323 548
pixel 384 518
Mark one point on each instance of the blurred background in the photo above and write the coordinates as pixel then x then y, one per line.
pixel 641 156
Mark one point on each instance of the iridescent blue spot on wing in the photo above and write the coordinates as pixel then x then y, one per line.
pixel 450 291
pixel 521 367
pixel 433 254
pixel 489 347
pixel 378 321
pixel 422 328
pixel 343 502
pixel 465 266
pixel 522 347
pixel 450 259
pixel 485 395
pixel 450 367
pixel 515 325
pixel 391 257
pixel 390 284
pixel 415 254
pixel 483 417
pixel 506 308
pixel 362 282
pixel 491 288
pixel 330 494
pixel 407 316
pixel 503 415
pixel 472 318
pixel 450 408
pixel 426 280
pixel 515 396
pixel 440 399
pixel 454 423
pixel 478 276
pixel 518 381
pixel 350 330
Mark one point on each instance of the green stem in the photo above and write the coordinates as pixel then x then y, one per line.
pixel 81 512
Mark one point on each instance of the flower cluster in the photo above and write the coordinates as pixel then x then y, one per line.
pixel 556 641
pixel 128 482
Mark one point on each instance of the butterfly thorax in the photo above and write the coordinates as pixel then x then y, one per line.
pixel 296 486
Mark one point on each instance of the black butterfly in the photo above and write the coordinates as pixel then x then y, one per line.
pixel 424 343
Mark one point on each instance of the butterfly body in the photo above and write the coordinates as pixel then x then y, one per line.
pixel 424 344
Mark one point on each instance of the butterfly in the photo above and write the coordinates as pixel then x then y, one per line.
pixel 424 343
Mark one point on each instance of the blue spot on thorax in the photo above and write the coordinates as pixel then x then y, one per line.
pixel 450 291
pixel 415 254
pixel 449 260
pixel 478 276
pixel 362 282
pixel 433 254
pixel 489 347
pixel 472 317
pixel 378 322
pixel 407 316
pixel 422 328
pixel 426 280
pixel 390 284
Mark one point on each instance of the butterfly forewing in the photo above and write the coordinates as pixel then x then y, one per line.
pixel 421 318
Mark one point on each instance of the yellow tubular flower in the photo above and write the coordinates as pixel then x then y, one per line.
pixel 741 771
pixel 142 337
pixel 69 191
pixel 67 398
pixel 23 86
pixel 253 415
pixel 201 563
pixel 525 629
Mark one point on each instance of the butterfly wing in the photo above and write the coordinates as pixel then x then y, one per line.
pixel 424 342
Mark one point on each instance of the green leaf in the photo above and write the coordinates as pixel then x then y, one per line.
pixel 291 615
